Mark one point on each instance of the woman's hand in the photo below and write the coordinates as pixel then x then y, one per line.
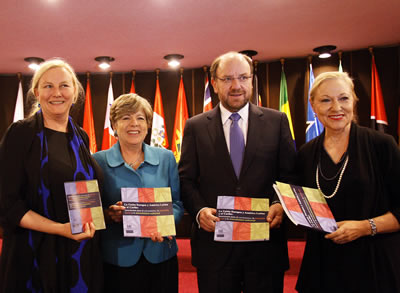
pixel 115 211
pixel 349 231
pixel 156 237
pixel 88 232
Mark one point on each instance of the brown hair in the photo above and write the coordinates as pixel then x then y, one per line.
pixel 217 61
pixel 130 103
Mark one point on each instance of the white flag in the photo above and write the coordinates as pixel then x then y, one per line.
pixel 19 105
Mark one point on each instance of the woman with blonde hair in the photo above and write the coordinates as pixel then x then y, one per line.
pixel 357 170
pixel 39 154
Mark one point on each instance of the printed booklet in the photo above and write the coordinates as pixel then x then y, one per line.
pixel 84 205
pixel 306 206
pixel 242 219
pixel 147 210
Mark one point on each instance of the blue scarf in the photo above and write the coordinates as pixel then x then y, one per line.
pixel 83 167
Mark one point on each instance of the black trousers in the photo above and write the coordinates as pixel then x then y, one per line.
pixel 241 273
pixel 143 277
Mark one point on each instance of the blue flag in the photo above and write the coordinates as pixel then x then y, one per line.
pixel 314 127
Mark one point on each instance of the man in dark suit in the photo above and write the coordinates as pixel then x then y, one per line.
pixel 207 171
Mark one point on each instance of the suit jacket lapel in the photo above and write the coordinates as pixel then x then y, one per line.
pixel 255 126
pixel 217 137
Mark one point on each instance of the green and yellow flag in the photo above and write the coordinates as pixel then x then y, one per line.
pixel 284 101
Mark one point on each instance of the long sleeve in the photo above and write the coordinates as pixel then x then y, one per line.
pixel 188 172
pixel 13 177
pixel 175 188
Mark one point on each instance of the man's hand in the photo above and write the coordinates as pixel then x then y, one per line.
pixel 207 219
pixel 275 215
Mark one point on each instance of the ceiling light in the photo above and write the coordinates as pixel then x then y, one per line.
pixel 324 51
pixel 104 61
pixel 34 62
pixel 173 59
pixel 249 53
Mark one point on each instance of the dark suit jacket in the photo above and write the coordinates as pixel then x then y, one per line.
pixel 206 171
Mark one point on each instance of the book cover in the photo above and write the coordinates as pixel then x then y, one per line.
pixel 242 219
pixel 147 210
pixel 84 205
pixel 306 206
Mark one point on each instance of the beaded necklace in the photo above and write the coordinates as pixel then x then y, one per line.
pixel 343 168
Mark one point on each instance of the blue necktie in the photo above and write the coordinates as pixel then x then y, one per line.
pixel 236 142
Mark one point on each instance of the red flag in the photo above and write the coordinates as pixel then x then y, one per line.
pixel 207 104
pixel 378 113
pixel 159 136
pixel 132 91
pixel 88 123
pixel 181 116
pixel 108 134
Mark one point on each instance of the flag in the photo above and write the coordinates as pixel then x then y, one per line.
pixel 256 94
pixel 132 91
pixel 181 116
pixel 207 104
pixel 314 126
pixel 340 66
pixel 108 134
pixel 284 101
pixel 19 104
pixel 378 113
pixel 88 123
pixel 159 136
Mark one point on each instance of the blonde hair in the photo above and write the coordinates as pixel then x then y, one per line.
pixel 130 103
pixel 332 75
pixel 335 75
pixel 46 66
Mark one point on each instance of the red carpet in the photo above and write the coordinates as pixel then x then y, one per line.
pixel 187 273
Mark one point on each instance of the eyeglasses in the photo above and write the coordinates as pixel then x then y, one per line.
pixel 229 79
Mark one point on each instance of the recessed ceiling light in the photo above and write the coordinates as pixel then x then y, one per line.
pixel 173 59
pixel 324 51
pixel 34 62
pixel 104 61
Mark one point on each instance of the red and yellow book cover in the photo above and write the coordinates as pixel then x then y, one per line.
pixel 84 205
pixel 306 206
pixel 147 210
pixel 242 219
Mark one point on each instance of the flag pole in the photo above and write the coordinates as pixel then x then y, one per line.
pixel 267 83
pixel 255 81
